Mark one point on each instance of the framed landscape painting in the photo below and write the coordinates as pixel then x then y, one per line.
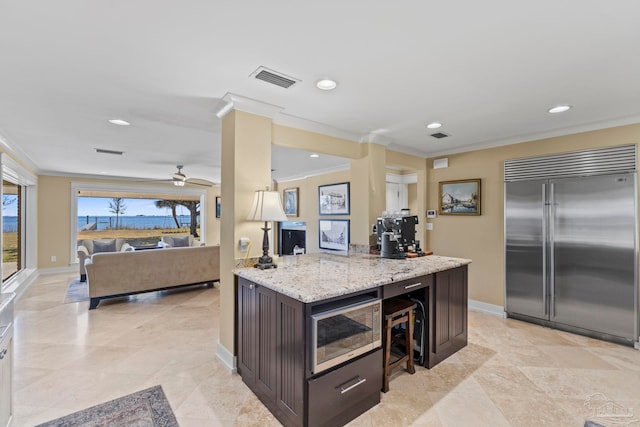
pixel 334 234
pixel 460 197
pixel 333 199
pixel 291 204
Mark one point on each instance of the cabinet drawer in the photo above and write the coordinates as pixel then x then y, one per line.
pixel 341 395
pixel 398 288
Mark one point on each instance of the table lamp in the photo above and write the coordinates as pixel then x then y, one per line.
pixel 266 207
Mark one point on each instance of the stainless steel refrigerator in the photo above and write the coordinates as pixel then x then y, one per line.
pixel 571 251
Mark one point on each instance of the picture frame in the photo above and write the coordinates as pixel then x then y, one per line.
pixel 333 234
pixel 218 206
pixel 461 197
pixel 333 199
pixel 291 201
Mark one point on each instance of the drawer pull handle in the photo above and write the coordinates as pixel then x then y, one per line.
pixel 413 286
pixel 352 386
pixel 2 353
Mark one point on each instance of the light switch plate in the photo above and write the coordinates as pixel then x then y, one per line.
pixel 429 226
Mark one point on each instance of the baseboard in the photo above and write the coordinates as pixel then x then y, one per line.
pixel 227 358
pixel 20 282
pixel 483 307
pixel 58 270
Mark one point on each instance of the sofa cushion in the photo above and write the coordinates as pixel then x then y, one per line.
pixel 104 246
pixel 180 242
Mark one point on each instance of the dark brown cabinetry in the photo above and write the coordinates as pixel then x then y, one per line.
pixel 270 342
pixel 257 336
pixel 273 343
pixel 335 397
pixel 449 314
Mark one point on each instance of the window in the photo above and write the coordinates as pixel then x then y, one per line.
pixel 18 190
pixel 12 230
pixel 93 213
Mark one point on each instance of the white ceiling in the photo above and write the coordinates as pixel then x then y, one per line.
pixel 487 70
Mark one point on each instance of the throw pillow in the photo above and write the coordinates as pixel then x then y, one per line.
pixel 104 246
pixel 180 242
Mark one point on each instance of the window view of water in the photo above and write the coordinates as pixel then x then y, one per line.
pixel 98 223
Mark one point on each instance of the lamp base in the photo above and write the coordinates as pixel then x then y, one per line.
pixel 265 262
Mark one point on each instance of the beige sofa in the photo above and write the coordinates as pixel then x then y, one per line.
pixel 113 274
pixel 87 248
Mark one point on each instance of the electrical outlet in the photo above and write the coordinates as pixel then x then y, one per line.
pixel 429 226
pixel 53 258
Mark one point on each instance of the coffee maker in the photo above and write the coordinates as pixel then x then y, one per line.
pixel 396 233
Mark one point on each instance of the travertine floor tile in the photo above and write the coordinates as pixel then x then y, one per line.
pixel 512 373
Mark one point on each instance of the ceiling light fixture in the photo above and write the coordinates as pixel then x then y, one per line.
pixel 178 183
pixel 326 84
pixel 314 155
pixel 119 122
pixel 559 109
pixel 434 125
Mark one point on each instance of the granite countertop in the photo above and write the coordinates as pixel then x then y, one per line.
pixel 315 277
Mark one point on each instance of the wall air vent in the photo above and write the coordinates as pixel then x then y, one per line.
pixel 104 151
pixel 440 135
pixel 274 77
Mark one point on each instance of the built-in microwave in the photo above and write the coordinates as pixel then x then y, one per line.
pixel 343 330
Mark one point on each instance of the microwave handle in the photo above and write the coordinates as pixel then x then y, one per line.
pixel 352 386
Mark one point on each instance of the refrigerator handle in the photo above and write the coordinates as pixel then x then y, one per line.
pixel 544 249
pixel 552 269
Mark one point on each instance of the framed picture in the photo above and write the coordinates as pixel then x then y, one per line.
pixel 460 197
pixel 334 234
pixel 218 207
pixel 333 199
pixel 290 196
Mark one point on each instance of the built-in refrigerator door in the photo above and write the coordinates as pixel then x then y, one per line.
pixel 593 254
pixel 526 250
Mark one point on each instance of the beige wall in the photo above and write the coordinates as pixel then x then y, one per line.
pixel 308 198
pixel 54 217
pixel 481 238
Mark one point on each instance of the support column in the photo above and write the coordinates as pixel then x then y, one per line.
pixel 368 183
pixel 246 167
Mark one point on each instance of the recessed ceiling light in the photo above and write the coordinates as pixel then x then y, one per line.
pixel 559 109
pixel 326 84
pixel 434 125
pixel 119 122
pixel 314 155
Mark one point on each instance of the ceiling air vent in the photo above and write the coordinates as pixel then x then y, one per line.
pixel 104 151
pixel 274 77
pixel 439 135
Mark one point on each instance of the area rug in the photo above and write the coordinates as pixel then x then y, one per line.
pixel 146 408
pixel 77 291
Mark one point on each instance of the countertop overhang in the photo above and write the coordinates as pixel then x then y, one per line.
pixel 315 277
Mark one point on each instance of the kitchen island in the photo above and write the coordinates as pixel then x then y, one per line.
pixel 275 342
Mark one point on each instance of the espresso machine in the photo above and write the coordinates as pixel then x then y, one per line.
pixel 396 235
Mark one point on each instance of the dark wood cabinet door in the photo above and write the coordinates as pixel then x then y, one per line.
pixel 265 336
pixel 450 313
pixel 246 334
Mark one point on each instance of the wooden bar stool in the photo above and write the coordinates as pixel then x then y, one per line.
pixel 397 311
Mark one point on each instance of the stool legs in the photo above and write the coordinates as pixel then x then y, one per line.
pixel 403 316
pixel 410 366
pixel 387 355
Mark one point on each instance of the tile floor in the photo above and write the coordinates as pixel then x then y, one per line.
pixel 511 374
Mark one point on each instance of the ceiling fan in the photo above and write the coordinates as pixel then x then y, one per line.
pixel 179 179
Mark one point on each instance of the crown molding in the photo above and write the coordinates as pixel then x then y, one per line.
pixel 248 105
pixel 18 153
pixel 289 120
pixel 315 172
pixel 554 133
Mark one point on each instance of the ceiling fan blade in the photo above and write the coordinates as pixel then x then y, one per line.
pixel 198 181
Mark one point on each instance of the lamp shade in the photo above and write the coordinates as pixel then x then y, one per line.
pixel 266 206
